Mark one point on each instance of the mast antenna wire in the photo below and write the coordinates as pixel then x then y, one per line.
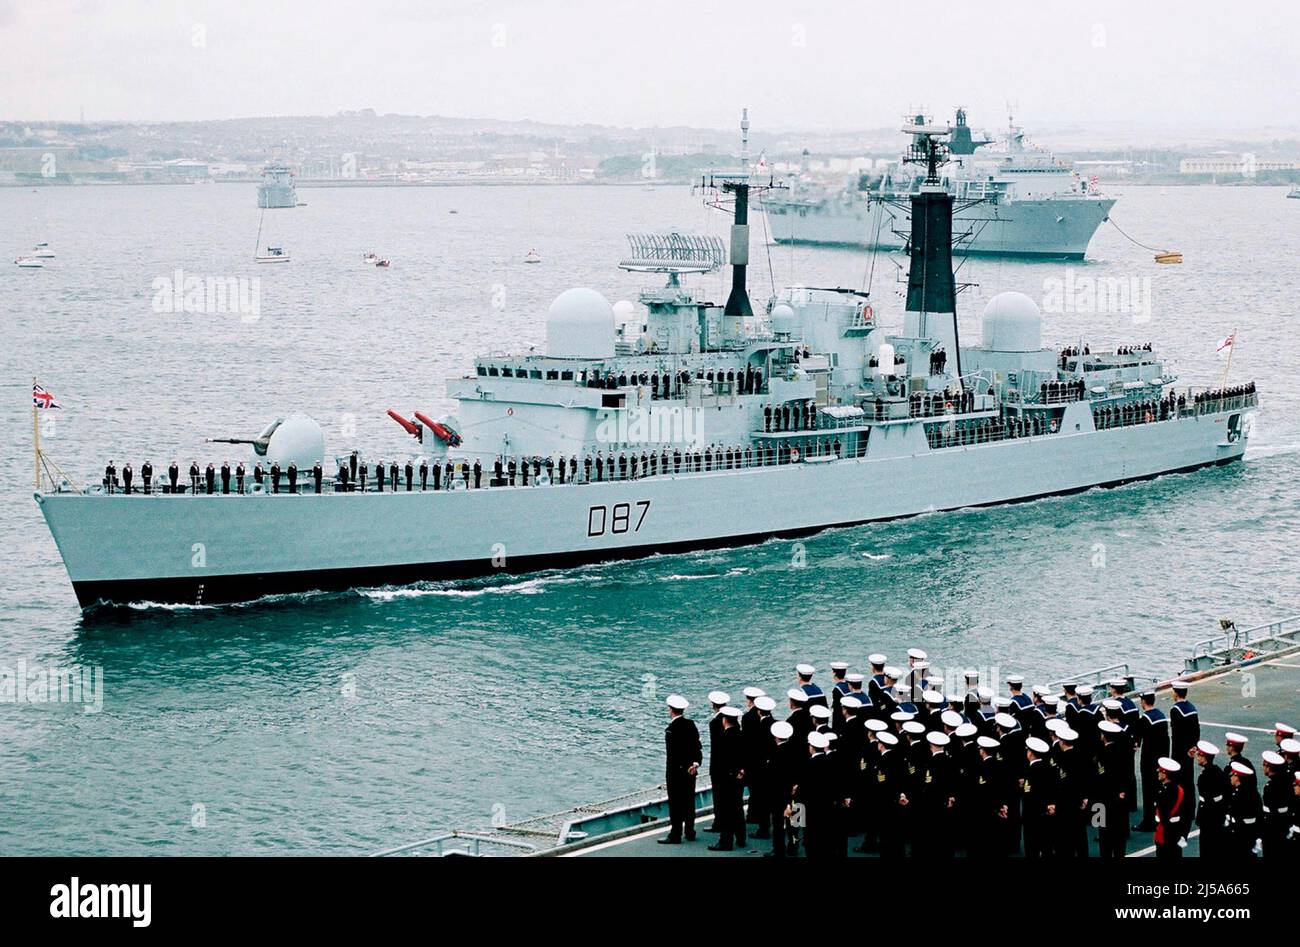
pixel 767 244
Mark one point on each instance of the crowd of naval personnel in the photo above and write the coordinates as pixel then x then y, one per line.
pixel 886 763
pixel 800 418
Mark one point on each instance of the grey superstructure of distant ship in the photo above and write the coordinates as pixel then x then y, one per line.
pixel 1013 200
pixel 277 189
pixel 693 426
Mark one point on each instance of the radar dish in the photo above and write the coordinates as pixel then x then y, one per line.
pixel 674 253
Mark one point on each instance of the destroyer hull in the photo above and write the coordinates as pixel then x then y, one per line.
pixel 1059 229
pixel 214 549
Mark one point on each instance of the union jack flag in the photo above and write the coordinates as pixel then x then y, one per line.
pixel 43 399
pixel 1225 345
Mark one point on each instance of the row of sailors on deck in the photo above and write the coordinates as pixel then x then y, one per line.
pixel 983 430
pixel 938 361
pixel 666 385
pixel 356 476
pixel 889 760
pixel 1133 349
pixel 1134 412
pixel 1050 391
pixel 1222 394
pixel 801 416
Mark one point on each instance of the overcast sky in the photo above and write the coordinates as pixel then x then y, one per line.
pixel 815 65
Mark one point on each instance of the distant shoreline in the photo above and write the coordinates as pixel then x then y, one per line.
pixel 360 184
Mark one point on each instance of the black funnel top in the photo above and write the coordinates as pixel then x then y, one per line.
pixel 930 283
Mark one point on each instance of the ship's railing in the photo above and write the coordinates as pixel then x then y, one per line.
pixel 1273 636
pixel 473 844
pixel 1102 677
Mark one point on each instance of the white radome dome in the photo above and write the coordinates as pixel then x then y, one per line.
pixel 1012 322
pixel 783 319
pixel 624 312
pixel 580 324
pixel 296 440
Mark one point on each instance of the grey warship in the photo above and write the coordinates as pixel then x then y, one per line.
pixel 1022 201
pixel 695 426
pixel 277 189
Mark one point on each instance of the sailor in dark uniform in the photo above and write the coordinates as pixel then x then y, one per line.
pixel 1212 790
pixel 1083 719
pixel 799 717
pixel 146 477
pixel 839 686
pixel 1038 799
pixel 938 801
pixel 804 675
pixel 1153 741
pixel 779 772
pixel 1075 773
pixel 194 476
pixel 240 475
pixel 814 795
pixel 424 475
pixel 881 692
pixel 173 475
pixel 1278 797
pixel 210 478
pixel 890 793
pixel 293 479
pixel 1015 687
pixel 1110 789
pixel 727 770
pixel 1184 734
pixel 1244 810
pixel 1236 747
pixel 127 475
pixel 682 743
pixel 1171 811
pixel 755 727
pixel 989 807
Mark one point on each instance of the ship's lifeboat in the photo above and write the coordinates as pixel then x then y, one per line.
pixel 1169 256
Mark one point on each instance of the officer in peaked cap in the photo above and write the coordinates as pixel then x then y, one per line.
pixel 1038 796
pixel 1244 809
pixel 891 794
pixel 717 700
pixel 1281 732
pixel 804 675
pixel 684 754
pixel 1235 744
pixel 988 802
pixel 1184 734
pixel 728 783
pixel 1212 790
pixel 1153 741
pixel 938 798
pixel 1170 810
pixel 1278 797
pixel 1075 771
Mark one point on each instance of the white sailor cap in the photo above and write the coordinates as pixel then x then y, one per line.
pixel 1289 746
pixel 876 660
pixel 902 691
pixel 752 692
pixel 932 697
pixel 1042 690
pixel 677 702
pixel 1066 735
pixel 950 718
pixel 730 711
pixel 875 725
pixel 782 730
pixel 1241 769
pixel 839 665
pixel 1070 686
pixel 718 698
pixel 818 712
pixel 1272 758
pixel 1111 703
pixel 851 702
pixel 901 716
pixel 1118 683
pixel 887 738
pixel 1084 690
pixel 985 693
pixel 1169 764
pixel 1002 703
pixel 1285 729
pixel 819 740
pixel 1015 679
pixel 891 672
pixel 914 727
pixel 916 654
pixel 936 738
pixel 920 665
pixel 988 743
pixel 1005 721
pixel 965 731
pixel 1180 687
pixel 1208 748
pixel 765 704
pixel 804 670
pixel 1056 725
pixel 855 678
pixel 1061 706
pixel 971 674
pixel 1110 726
pixel 1037 745
pixel 796 695
pixel 1235 739
pixel 832 736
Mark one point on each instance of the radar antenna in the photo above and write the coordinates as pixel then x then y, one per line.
pixel 674 253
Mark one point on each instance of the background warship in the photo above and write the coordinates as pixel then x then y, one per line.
pixel 1029 203
pixel 694 426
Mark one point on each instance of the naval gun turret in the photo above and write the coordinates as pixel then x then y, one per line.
pixel 295 439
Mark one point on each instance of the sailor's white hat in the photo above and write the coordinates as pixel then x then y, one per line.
pixel 887 738
pixel 876 660
pixel 988 743
pixel 832 736
pixel 1110 726
pixel 1016 679
pixel 950 718
pixel 1180 686
pixel 1111 703
pixel 765 704
pixel 1042 690
pixel 971 674
pixel 920 664
pixel 1236 739
pixel 1272 758
pixel 819 740
pixel 1006 721
pixel 851 702
pixel 1037 745
pixel 677 702
pixel 730 711
pixel 936 738
pixel 818 712
pixel 1056 725
pixel 932 697
pixel 901 716
pixel 914 727
pixel 891 672
pixel 782 730
pixel 718 698
pixel 1208 748
pixel 796 695
pixel 839 665
pixel 1169 764
pixel 1284 728
pixel 1066 734
pixel 1002 702
pixel 1289 746
pixel 805 669
pixel 916 654
pixel 985 693
pixel 855 678
pixel 875 725
pixel 1241 769
pixel 1084 690
pixel 752 692
pixel 965 731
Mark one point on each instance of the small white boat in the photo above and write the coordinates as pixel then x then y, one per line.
pixel 370 258
pixel 29 263
pixel 533 257
pixel 42 251
pixel 273 255
pixel 383 264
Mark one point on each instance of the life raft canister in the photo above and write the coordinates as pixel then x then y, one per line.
pixel 794 455
pixel 1054 425
pixel 867 312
